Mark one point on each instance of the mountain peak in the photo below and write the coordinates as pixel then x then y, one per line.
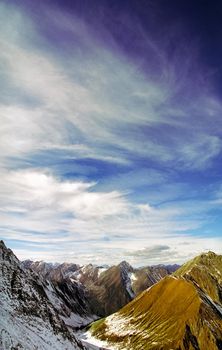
pixel 207 259
pixel 209 254
pixel 2 244
pixel 7 254
pixel 125 265
pixel 206 272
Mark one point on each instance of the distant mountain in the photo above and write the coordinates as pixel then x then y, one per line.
pixel 180 312
pixel 98 290
pixel 119 284
pixel 145 277
pixel 55 272
pixel 28 318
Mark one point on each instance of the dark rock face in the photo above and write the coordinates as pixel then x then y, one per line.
pixel 73 299
pixel 190 340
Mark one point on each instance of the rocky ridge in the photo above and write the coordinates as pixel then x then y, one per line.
pixel 28 318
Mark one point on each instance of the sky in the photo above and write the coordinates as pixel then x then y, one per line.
pixel 111 130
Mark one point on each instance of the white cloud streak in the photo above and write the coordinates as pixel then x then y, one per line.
pixel 38 208
pixel 91 102
pixel 82 97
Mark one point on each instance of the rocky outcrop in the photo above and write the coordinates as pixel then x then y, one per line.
pixel 28 319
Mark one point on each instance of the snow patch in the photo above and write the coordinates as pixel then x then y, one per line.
pixel 92 343
pixel 101 270
pixel 132 277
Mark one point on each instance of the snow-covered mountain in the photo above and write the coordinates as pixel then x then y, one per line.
pixel 28 317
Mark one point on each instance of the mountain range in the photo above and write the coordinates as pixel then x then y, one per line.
pixel 68 306
pixel 97 291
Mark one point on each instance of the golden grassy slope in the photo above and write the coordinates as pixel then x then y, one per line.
pixel 170 315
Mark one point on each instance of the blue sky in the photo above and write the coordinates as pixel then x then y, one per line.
pixel 110 130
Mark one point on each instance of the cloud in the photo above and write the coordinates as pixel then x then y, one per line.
pixel 202 151
pixel 65 108
pixel 175 251
pixel 92 142
pixel 44 212
pixel 77 95
pixel 150 252
pixel 100 253
pixel 34 190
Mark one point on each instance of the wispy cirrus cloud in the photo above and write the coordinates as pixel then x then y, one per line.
pixel 94 141
pixel 81 97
